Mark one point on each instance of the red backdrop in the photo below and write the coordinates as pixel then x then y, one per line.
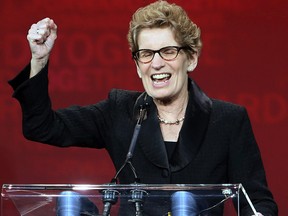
pixel 244 60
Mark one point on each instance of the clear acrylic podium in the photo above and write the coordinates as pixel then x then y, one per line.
pixel 124 200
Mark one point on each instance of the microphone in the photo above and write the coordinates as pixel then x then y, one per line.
pixel 137 197
pixel 110 196
pixel 183 203
pixel 141 117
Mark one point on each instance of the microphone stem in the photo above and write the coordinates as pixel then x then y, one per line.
pixel 106 209
pixel 133 142
pixel 142 114
pixel 138 207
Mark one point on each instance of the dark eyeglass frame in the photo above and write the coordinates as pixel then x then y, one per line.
pixel 135 54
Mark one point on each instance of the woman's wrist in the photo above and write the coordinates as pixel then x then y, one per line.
pixel 37 65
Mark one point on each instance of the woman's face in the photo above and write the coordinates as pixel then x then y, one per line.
pixel 164 79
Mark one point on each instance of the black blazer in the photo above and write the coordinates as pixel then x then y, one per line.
pixel 216 143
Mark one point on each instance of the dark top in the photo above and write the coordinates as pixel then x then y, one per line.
pixel 170 147
pixel 216 144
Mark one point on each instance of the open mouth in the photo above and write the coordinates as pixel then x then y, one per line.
pixel 163 77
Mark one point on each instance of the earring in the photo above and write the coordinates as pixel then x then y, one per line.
pixel 190 68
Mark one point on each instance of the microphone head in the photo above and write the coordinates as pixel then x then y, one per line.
pixel 68 204
pixel 143 101
pixel 183 203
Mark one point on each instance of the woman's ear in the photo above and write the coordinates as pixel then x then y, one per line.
pixel 193 62
pixel 138 71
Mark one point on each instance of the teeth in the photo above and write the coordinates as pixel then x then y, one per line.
pixel 160 76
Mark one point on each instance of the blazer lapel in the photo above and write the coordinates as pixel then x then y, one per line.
pixel 190 139
pixel 151 140
pixel 194 128
pixel 191 135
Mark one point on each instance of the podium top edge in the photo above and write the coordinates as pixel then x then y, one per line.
pixel 119 186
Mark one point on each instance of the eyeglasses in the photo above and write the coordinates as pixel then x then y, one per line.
pixel 167 53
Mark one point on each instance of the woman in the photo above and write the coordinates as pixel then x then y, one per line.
pixel 185 136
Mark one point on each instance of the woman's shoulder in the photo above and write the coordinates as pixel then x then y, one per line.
pixel 221 107
pixel 229 115
pixel 123 95
pixel 221 104
pixel 123 99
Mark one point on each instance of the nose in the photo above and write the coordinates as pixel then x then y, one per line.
pixel 157 62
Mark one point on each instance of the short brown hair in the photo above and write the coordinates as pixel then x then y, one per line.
pixel 162 14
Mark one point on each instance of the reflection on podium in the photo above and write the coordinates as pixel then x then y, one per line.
pixel 123 200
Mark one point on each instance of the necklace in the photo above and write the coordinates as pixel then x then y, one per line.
pixel 177 122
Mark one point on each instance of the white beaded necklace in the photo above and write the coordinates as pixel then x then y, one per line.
pixel 166 122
